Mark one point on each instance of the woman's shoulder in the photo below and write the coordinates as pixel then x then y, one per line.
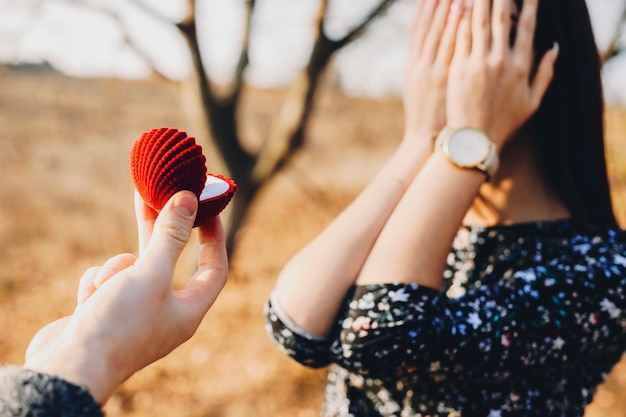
pixel 553 254
pixel 585 253
pixel 596 242
pixel 559 238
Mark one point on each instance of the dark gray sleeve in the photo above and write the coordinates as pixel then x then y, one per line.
pixel 24 393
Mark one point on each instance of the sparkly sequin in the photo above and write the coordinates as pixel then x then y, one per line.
pixel 530 319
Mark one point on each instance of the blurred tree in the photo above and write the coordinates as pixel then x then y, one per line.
pixel 216 107
pixel 220 104
pixel 617 43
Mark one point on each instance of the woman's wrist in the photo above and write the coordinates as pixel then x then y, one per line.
pixel 469 148
pixel 421 139
pixel 409 158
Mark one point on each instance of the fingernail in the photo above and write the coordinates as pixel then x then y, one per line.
pixel 556 47
pixel 456 5
pixel 469 4
pixel 185 205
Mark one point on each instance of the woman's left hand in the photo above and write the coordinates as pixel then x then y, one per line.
pixel 491 86
pixel 428 61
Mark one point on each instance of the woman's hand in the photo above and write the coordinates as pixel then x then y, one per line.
pixel 128 314
pixel 491 86
pixel 426 75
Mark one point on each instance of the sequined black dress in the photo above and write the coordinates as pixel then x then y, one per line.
pixel 529 321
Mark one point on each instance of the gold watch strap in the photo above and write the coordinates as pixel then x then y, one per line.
pixel 490 165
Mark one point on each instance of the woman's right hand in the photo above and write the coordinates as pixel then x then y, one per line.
pixel 491 84
pixel 426 76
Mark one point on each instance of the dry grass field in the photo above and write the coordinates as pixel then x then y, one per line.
pixel 66 204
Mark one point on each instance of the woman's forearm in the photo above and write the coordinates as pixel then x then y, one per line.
pixel 313 284
pixel 488 90
pixel 416 239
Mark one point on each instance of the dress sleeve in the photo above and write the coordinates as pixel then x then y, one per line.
pixel 310 350
pixel 546 316
pixel 25 393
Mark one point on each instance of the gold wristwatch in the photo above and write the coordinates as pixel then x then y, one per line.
pixel 469 148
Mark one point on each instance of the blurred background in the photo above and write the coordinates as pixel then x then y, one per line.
pixel 299 101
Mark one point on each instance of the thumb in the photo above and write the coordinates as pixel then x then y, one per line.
pixel 172 231
pixel 544 75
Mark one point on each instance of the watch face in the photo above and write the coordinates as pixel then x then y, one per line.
pixel 468 147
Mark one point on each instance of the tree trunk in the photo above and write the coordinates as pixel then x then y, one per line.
pixel 286 136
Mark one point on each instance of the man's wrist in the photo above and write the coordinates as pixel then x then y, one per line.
pixel 38 393
pixel 88 370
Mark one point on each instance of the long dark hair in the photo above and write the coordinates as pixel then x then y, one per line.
pixel 570 120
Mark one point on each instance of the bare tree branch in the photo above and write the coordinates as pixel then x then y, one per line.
pixel 122 26
pixel 284 137
pixel 358 30
pixel 187 28
pixel 151 11
pixel 287 131
pixel 243 61
pixel 613 48
pixel 220 112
